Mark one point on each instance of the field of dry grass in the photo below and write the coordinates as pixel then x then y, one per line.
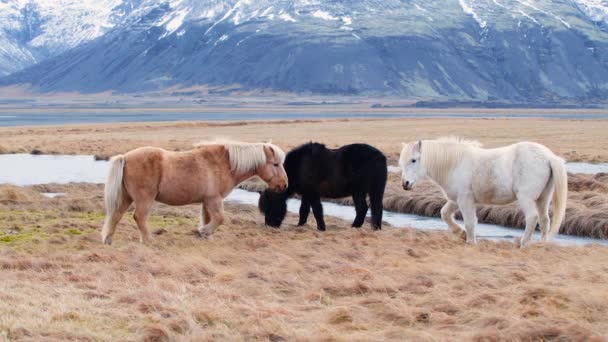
pixel 251 282
pixel 576 140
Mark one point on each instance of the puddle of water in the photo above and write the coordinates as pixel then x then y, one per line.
pixel 26 169
pixel 587 168
pixel 53 194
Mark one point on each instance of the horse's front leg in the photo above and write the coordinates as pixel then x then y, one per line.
pixel 304 211
pixel 213 212
pixel 469 215
pixel 360 209
pixel 447 214
pixel 317 210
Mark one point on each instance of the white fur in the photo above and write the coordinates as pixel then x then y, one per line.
pixel 526 172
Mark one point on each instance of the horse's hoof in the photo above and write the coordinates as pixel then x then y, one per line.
pixel 321 229
pixel 377 228
pixel 356 226
pixel 203 234
pixel 107 241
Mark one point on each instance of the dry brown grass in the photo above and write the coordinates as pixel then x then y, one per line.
pixel 248 282
pixel 583 140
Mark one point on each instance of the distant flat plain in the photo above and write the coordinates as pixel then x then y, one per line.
pixel 575 140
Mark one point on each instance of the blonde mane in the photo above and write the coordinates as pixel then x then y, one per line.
pixel 439 157
pixel 244 156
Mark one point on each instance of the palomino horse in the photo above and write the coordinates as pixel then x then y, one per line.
pixel 468 174
pixel 206 174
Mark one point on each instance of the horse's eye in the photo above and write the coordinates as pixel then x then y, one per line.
pixel 413 161
pixel 276 165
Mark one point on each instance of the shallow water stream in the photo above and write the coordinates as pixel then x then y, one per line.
pixel 26 169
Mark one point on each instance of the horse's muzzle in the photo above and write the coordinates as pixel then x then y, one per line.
pixel 279 188
pixel 407 185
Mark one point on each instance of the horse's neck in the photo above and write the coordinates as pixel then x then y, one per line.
pixel 442 161
pixel 239 178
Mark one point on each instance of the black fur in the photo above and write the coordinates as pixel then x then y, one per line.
pixel 314 171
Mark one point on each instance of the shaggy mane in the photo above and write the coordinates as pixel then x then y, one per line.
pixel 440 156
pixel 245 156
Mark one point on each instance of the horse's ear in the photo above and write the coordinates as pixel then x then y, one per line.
pixel 403 145
pixel 269 141
pixel 269 150
pixel 418 146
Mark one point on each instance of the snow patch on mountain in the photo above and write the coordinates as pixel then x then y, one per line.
pixel 596 10
pixel 467 7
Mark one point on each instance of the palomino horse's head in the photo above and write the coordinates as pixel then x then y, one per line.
pixel 272 172
pixel 274 207
pixel 411 167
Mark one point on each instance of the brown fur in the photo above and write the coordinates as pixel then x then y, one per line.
pixel 202 175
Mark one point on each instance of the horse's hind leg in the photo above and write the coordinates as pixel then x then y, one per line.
pixel 112 219
pixel 542 207
pixel 215 212
pixel 375 200
pixel 142 210
pixel 317 211
pixel 529 208
pixel 360 209
pixel 204 215
pixel 447 214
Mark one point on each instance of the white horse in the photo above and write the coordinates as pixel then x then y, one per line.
pixel 526 172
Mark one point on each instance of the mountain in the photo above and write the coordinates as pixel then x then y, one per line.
pixel 513 50
pixel 34 30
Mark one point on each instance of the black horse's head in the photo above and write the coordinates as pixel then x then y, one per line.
pixel 274 207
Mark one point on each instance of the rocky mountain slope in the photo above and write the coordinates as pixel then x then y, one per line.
pixel 515 50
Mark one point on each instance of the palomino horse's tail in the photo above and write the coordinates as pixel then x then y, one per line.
pixel 113 191
pixel 560 194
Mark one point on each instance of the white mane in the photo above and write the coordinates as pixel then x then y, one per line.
pixel 439 157
pixel 244 156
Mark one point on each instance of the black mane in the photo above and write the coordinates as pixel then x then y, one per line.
pixel 314 171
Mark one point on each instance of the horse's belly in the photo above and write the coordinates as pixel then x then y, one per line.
pixel 329 190
pixel 178 198
pixel 180 190
pixel 494 195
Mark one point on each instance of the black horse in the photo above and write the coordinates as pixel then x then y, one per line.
pixel 314 171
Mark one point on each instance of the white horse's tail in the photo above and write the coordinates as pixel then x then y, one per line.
pixel 560 194
pixel 113 190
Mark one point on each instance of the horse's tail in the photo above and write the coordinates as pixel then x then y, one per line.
pixel 560 194
pixel 113 194
pixel 113 189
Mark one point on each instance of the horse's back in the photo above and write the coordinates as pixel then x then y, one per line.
pixel 501 173
pixel 335 172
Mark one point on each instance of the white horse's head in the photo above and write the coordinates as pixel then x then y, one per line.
pixel 411 167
